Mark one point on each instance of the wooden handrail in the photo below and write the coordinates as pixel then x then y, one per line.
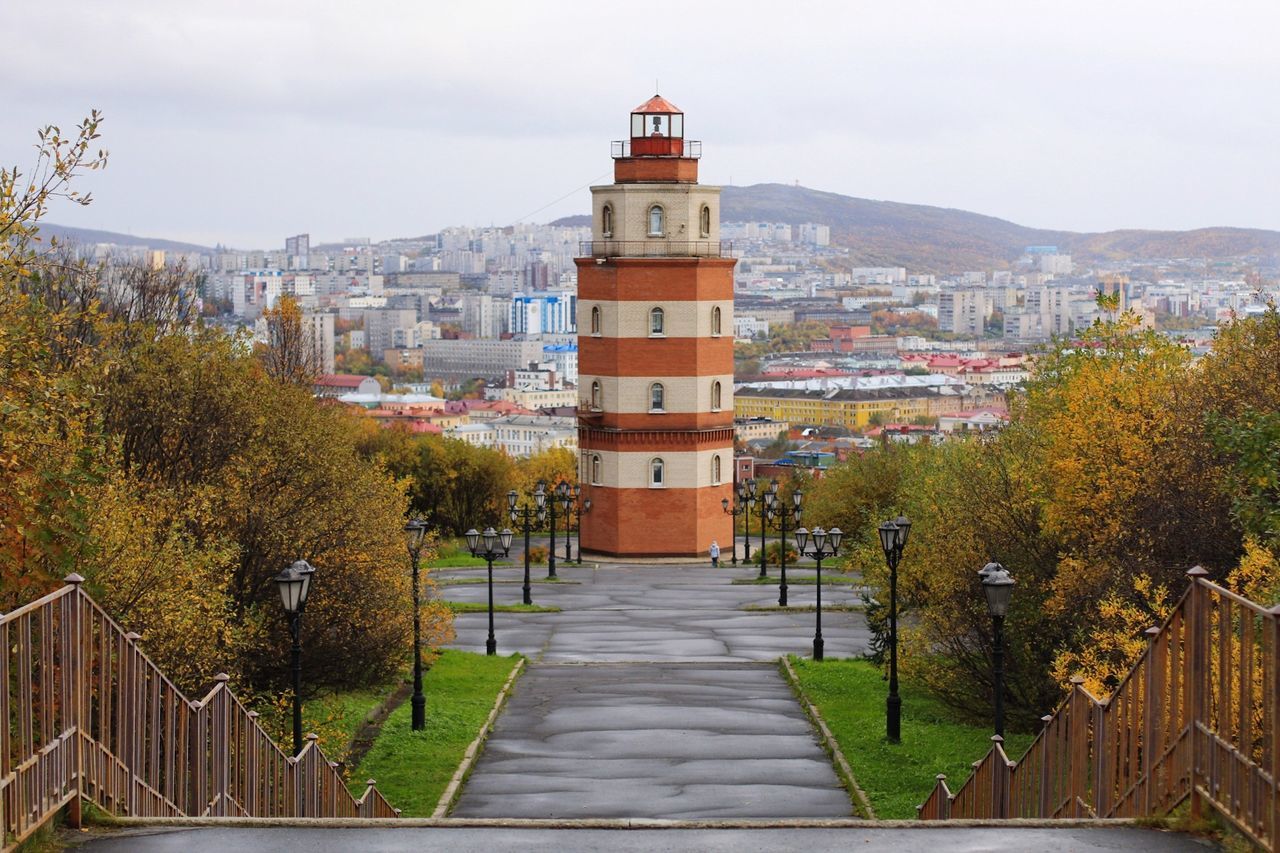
pixel 1195 718
pixel 84 713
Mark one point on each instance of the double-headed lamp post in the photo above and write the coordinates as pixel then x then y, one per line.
pixel 492 540
pixel 294 584
pixel 542 495
pixel 414 532
pixel 745 496
pixel 568 498
pixel 766 511
pixel 776 512
pixel 584 507
pixel 525 516
pixel 825 543
pixel 998 586
pixel 893 541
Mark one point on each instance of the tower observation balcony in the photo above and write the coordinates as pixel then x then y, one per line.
pixel 656 146
pixel 655 249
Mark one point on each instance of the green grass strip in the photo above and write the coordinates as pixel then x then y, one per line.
pixel 483 607
pixel 413 768
pixel 850 695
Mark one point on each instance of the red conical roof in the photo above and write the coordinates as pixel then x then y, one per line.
pixel 658 104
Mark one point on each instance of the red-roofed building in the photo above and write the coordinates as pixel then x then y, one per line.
pixel 338 384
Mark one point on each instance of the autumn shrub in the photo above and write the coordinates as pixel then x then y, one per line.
pixel 1125 464
pixel 537 554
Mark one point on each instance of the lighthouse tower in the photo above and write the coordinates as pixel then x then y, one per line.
pixel 655 343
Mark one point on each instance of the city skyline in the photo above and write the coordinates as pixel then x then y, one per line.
pixel 247 123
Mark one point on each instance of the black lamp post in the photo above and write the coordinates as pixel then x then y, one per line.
pixel 568 497
pixel 826 543
pixel 776 512
pixel 525 515
pixel 542 496
pixel 998 587
pixel 766 507
pixel 745 501
pixel 294 584
pixel 584 507
pixel 893 540
pixel 491 540
pixel 413 535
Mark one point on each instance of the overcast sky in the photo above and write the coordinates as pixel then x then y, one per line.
pixel 244 122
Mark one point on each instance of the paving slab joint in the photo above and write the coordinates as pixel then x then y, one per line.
pixel 454 789
pixel 860 800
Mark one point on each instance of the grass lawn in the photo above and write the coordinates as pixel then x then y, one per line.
pixel 344 711
pixel 469 581
pixel 456 561
pixel 413 768
pixel 483 607
pixel 850 695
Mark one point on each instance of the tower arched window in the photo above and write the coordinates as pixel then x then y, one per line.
pixel 715 396
pixel 595 469
pixel 657 221
pixel 704 221
pixel 715 321
pixel 657 397
pixel 606 221
pixel 715 470
pixel 657 322
pixel 597 396
pixel 595 319
pixel 657 473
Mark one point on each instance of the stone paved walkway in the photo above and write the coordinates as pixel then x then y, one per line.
pixel 653 695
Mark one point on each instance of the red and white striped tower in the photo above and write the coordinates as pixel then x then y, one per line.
pixel 655 351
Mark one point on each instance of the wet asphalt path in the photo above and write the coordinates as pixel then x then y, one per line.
pixel 654 694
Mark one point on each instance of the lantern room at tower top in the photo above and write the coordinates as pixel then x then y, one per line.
pixel 657 149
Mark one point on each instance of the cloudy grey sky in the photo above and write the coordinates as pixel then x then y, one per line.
pixel 243 122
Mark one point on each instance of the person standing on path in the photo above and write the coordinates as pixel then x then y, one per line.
pixel 715 554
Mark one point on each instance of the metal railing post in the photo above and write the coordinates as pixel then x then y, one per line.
pixel 1198 674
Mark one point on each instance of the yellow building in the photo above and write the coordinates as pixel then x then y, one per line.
pixel 852 408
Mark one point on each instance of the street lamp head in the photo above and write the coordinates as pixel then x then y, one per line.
pixel 988 569
pixel 796 498
pixel 414 530
pixel 562 489
pixel 999 589
pixel 751 487
pixel 506 540
pixel 293 584
pixel 819 539
pixel 586 505
pixel 512 497
pixel 802 539
pixel 773 486
pixel 490 539
pixel 724 504
pixel 540 494
pixel 473 540
pixel 888 538
pixel 306 570
pixel 835 535
pixel 577 490
pixel 904 530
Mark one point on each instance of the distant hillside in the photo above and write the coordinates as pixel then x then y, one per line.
pixel 89 236
pixel 936 239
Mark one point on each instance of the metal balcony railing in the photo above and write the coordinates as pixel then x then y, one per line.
pixel 657 146
pixel 656 248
